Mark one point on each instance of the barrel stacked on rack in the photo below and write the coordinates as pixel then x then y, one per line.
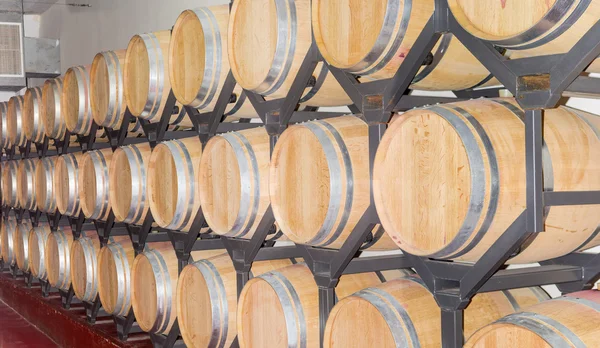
pixel 447 180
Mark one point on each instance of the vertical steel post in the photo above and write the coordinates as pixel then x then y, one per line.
pixel 533 169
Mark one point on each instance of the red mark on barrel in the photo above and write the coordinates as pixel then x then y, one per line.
pixel 503 2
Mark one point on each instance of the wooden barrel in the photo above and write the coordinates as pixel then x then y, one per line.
pixel 26 183
pixel 568 321
pixel 459 179
pixel 207 300
pixel 403 313
pixel 128 183
pixel 235 165
pixel 114 275
pixel 319 181
pixel 8 232
pixel 94 184
pixel 381 36
pixel 75 100
pixel 266 58
pixel 288 305
pixel 84 266
pixel 530 28
pixel 37 245
pixel 32 115
pixel 198 61
pixel 53 117
pixel 4 143
pixel 154 280
pixel 107 96
pixel 14 122
pixel 9 184
pixel 57 258
pixel 21 244
pixel 44 184
pixel 146 78
pixel 172 171
pixel 66 184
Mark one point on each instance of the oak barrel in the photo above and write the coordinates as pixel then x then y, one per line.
pixel 57 257
pixel 4 143
pixel 146 77
pixel 268 41
pixel 26 183
pixel 235 165
pixel 37 245
pixel 9 184
pixel 8 231
pixel 450 179
pixel 94 184
pixel 529 28
pixel 154 279
pixel 21 244
pixel 286 301
pixel 114 275
pixel 107 96
pixel 128 183
pixel 66 184
pixel 207 300
pixel 33 108
pixel 75 100
pixel 198 61
pixel 568 321
pixel 403 313
pixel 44 184
pixel 319 181
pixel 172 172
pixel 381 36
pixel 84 266
pixel 53 117
pixel 16 135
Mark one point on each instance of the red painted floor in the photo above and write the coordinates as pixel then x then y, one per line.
pixel 65 328
pixel 15 331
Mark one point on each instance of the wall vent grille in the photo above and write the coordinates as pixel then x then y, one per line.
pixel 11 50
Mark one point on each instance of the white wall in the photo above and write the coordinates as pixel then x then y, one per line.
pixel 109 24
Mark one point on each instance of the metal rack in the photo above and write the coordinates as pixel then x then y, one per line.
pixel 537 83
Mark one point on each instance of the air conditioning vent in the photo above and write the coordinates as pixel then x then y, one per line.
pixel 11 50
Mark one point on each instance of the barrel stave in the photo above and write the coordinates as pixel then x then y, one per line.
pixel 37 244
pixel 33 108
pixel 320 190
pixel 57 257
pixel 94 186
pixel 107 98
pixel 480 203
pixel 114 275
pixel 172 168
pixel 568 321
pixel 288 305
pixel 208 289
pixel 84 266
pixel 66 184
pixel 128 182
pixel 402 312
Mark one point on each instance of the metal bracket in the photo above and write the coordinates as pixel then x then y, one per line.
pixel 155 132
pixel 185 242
pixel 126 325
pixel 92 310
pixel 140 235
pixel 67 297
pixel 168 341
